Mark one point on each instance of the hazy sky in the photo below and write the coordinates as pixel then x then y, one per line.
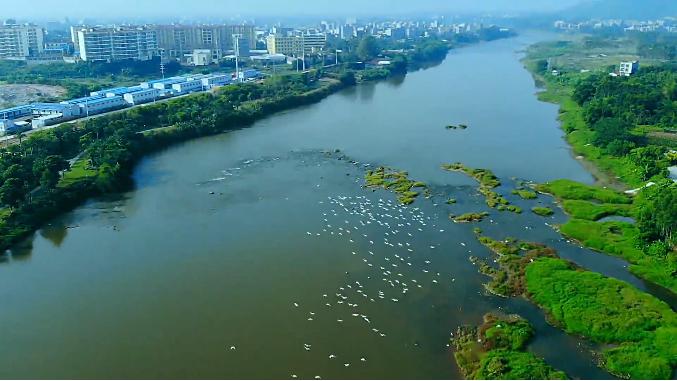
pixel 29 9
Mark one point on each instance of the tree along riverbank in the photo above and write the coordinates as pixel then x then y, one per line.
pixel 609 121
pixel 37 182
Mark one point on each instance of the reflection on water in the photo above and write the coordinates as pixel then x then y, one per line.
pixel 213 267
pixel 54 233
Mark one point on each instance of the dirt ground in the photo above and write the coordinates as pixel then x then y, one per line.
pixel 18 94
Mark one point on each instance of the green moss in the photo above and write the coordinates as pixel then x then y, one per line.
pixel 542 211
pixel 488 181
pixel 451 201
pixel 395 181
pixel 485 177
pixel 469 217
pixel 496 350
pixel 608 311
pixel 525 194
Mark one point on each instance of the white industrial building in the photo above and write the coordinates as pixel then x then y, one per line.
pixel 65 110
pixel 141 96
pixel 188 86
pixel 47 120
pixel 162 84
pixel 217 80
pixel 97 104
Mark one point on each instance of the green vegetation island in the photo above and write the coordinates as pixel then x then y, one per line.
pixel 398 182
pixel 636 329
pixel 496 350
pixel 488 181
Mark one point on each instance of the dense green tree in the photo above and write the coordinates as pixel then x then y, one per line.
pixel 12 192
pixel 347 77
pixel 608 130
pixel 657 212
pixel 650 159
pixel 368 48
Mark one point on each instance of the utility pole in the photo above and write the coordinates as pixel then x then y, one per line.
pixel 236 48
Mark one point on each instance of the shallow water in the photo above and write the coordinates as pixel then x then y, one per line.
pixel 233 241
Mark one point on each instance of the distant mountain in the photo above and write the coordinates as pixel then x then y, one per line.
pixel 622 9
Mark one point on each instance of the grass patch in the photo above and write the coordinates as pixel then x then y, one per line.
pixel 396 181
pixel 571 190
pixel 542 211
pixel 79 171
pixel 587 204
pixel 619 239
pixel 587 210
pixel 606 310
pixel 496 350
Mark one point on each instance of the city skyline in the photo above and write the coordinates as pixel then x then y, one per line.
pixel 48 9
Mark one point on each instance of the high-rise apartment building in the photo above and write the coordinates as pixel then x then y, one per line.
pixel 116 43
pixel 296 44
pixel 21 41
pixel 176 40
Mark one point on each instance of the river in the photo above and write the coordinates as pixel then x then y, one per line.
pixel 247 254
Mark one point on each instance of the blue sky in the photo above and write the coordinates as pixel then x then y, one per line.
pixel 225 8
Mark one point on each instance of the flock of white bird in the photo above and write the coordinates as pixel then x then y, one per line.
pixel 380 234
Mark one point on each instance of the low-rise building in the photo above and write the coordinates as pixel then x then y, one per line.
pixel 628 68
pixel 162 84
pixel 7 126
pixel 97 104
pixel 202 57
pixel 16 112
pixel 67 111
pixel 47 120
pixel 249 74
pixel 141 96
pixel 217 80
pixel 188 86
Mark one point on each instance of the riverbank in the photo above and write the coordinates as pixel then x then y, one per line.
pixel 608 148
pixel 634 326
pixel 113 143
